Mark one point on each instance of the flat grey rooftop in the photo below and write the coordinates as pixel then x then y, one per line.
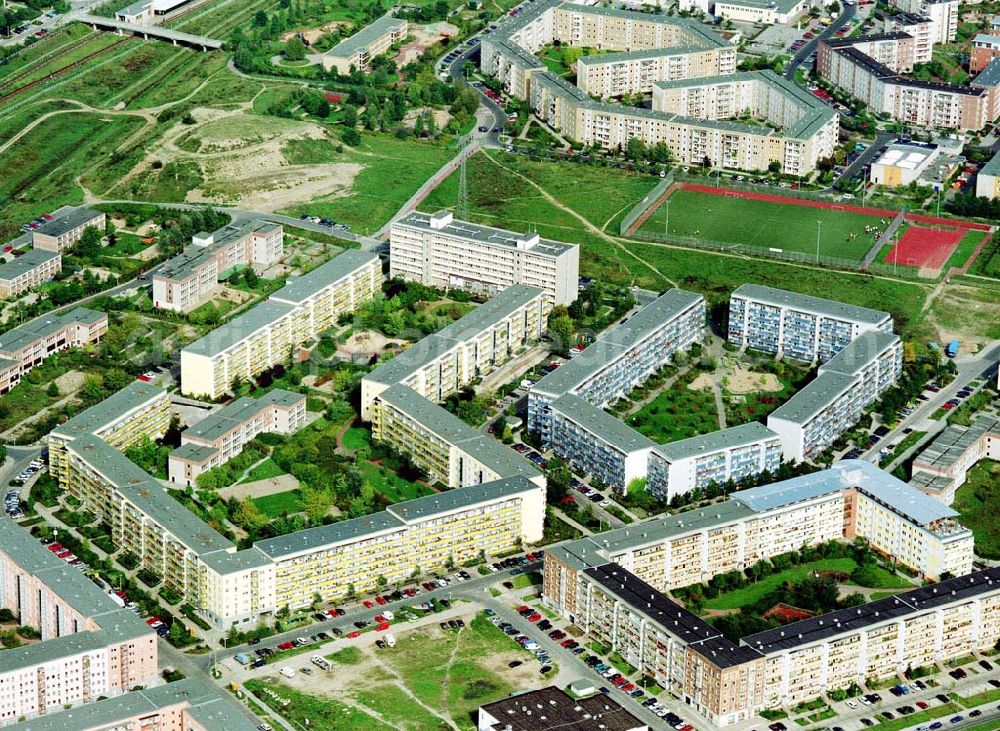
pixel 299 289
pixel 360 41
pixel 735 436
pixel 29 333
pixel 818 395
pixel 99 416
pixel 860 352
pixel 28 261
pixel 486 235
pixel 810 304
pixel 67 221
pixel 314 539
pixel 461 498
pixel 232 416
pixel 239 328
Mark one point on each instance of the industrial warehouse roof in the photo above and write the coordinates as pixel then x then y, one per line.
pixel 784 6
pixel 453 430
pixel 422 508
pixel 299 289
pixel 860 352
pixel 612 343
pixel 29 333
pixel 239 328
pixel 551 708
pixel 486 234
pixel 28 261
pixel 234 415
pixel 133 484
pixel 68 220
pixel 135 395
pixel 313 539
pixel 601 424
pixel 734 436
pixel 366 36
pixel 206 705
pixel 816 629
pixel 821 392
pixel 813 305
pixel 951 444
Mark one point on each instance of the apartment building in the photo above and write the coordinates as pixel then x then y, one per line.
pixel 27 271
pixel 796 325
pixel 190 704
pixel 373 40
pixel 89 646
pixel 192 278
pixel 846 64
pixel 737 453
pixel 25 346
pixel 988 179
pixel 65 228
pixel 436 250
pixel 417 535
pixel 812 419
pixel 687 49
pixel 918 27
pixel 219 437
pixel 851 499
pixel 985 48
pixel 445 447
pixel 765 12
pixel 941 467
pixel 622 358
pixel 470 348
pixel 635 72
pixel 268 333
pixel 123 419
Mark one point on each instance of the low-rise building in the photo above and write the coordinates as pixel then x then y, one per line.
pixel 985 48
pixel 795 325
pixel 373 40
pixel 436 250
pixel 988 179
pixel 222 435
pixel 765 12
pixel 471 347
pixel 25 346
pixel 445 447
pixel 902 164
pixel 65 228
pixel 192 277
pixel 267 334
pixel 27 271
pixel 551 708
pixel 941 468
pixel 138 13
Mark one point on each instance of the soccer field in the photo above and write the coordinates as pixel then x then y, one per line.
pixel 763 224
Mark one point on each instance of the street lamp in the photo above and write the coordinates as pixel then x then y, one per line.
pixel 666 223
pixel 819 225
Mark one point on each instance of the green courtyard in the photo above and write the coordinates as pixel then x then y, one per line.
pixel 978 501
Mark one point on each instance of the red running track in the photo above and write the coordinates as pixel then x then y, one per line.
pixel 925 247
pixel 914 217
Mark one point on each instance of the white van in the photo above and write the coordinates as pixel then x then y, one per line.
pixel 287 672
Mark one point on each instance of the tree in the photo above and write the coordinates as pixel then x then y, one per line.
pixel 92 389
pixel 351 137
pixel 89 244
pixel 558 479
pixel 260 19
pixel 53 390
pixel 248 516
pixel 635 150
pixel 350 116
pixel 774 166
pixel 295 50
pixel 560 328
pixel 315 501
pixel 250 278
pixel 116 379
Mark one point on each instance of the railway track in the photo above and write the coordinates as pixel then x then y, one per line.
pixel 4 83
pixel 55 74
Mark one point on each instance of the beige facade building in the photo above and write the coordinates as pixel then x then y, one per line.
pixel 192 277
pixel 65 228
pixel 373 40
pixel 470 348
pixel 635 72
pixel 34 267
pixel 269 333
pixel 221 436
pixel 436 250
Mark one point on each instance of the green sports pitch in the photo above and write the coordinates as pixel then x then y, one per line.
pixel 743 223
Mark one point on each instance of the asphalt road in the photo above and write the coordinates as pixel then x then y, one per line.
pixel 865 158
pixel 846 14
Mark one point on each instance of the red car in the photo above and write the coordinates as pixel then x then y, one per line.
pixel 534 617
pixel 619 682
pixel 921 705
pixel 64 553
pixel 367 604
pixel 686 727
pixel 381 600
pixel 286 646
pixel 382 626
pixel 628 687
pixel 530 557
pixel 379 618
pixel 353 634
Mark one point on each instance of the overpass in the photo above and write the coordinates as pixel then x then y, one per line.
pixel 175 37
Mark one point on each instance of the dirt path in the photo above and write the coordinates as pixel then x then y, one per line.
pixel 586 224
pixel 400 683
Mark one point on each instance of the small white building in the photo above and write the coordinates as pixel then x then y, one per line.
pixel 902 164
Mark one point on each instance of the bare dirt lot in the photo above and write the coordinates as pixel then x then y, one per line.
pixel 424 36
pixel 260 488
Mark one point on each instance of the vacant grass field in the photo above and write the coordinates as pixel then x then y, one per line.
pixel 264 471
pixel 390 484
pixel 357 438
pixel 761 225
pixel 279 503
pixel 978 501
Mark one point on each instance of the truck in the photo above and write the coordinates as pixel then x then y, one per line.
pixel 390 640
pixel 952 350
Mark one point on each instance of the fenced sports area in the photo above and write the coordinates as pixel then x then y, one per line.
pixel 796 228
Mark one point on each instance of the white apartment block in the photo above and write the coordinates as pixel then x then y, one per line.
pixel 27 345
pixel 192 278
pixel 65 228
pixel 436 250
pixel 89 646
pixel 795 325
pixel 222 435
pixel 764 12
pixel 736 453
pixel 445 447
pixel 32 268
pixel 469 348
pixel 918 27
pixel 635 72
pixel 269 333
pixel 622 358
pixel 834 401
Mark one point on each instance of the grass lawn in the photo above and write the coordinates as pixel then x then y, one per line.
pixel 978 501
pixel 676 413
pixel 523 581
pixel 264 471
pixel 357 438
pixel 324 713
pixel 754 592
pixel 279 503
pixel 390 484
pixel 908 441
pixel 915 719
pixel 987 696
pixel 964 249
pixel 346 656
pixel 761 224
